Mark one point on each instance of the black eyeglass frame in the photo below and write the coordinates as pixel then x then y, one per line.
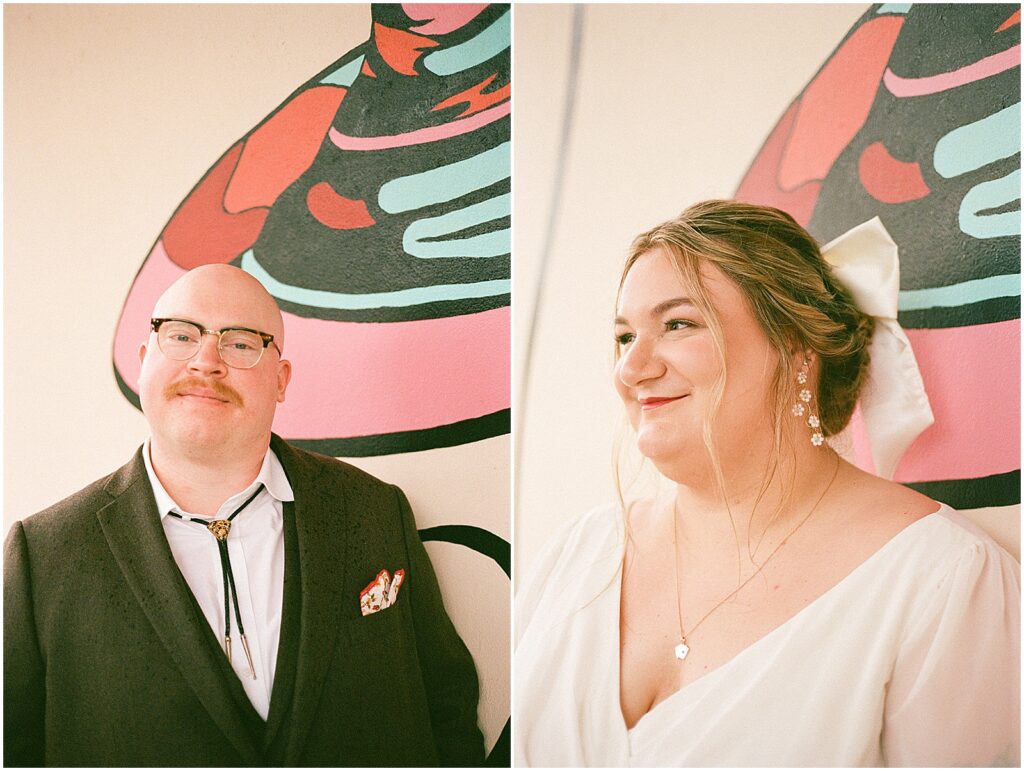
pixel 267 339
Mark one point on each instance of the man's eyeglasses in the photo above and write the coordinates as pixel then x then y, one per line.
pixel 239 347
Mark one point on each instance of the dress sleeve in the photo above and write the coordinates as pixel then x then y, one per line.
pixel 954 695
pixel 530 596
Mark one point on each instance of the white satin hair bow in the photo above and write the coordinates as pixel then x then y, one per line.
pixel 893 401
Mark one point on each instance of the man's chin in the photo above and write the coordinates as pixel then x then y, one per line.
pixel 196 434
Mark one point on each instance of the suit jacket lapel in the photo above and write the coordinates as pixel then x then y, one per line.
pixel 288 645
pixel 134 533
pixel 322 542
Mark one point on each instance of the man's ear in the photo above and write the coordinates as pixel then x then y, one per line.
pixel 284 376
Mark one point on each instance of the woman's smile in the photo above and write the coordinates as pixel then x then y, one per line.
pixel 649 403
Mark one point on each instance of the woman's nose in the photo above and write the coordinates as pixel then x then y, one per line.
pixel 639 363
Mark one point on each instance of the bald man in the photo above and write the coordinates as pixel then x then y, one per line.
pixel 225 599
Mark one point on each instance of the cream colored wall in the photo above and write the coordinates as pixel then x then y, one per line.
pixel 672 104
pixel 112 114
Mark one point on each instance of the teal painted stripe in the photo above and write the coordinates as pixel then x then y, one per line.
pixel 484 245
pixel 895 8
pixel 445 183
pixel 988 195
pixel 400 298
pixel 977 144
pixel 490 42
pixel 345 75
pixel 964 293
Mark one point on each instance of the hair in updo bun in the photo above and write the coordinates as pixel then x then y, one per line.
pixel 791 290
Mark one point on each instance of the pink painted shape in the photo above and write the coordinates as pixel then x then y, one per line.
pixel 972 376
pixel 861 445
pixel 158 272
pixel 933 84
pixel 359 379
pixel 445 17
pixel 420 136
pixel 356 379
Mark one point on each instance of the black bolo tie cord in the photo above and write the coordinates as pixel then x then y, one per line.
pixel 227 575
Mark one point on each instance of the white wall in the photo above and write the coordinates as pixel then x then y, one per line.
pixel 672 104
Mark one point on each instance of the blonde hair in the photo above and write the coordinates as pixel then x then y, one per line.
pixel 796 301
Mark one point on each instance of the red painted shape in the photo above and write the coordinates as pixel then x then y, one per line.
pixel 400 49
pixel 1012 21
pixel 890 180
pixel 201 231
pixel 336 211
pixel 367 70
pixel 760 185
pixel 475 97
pixel 834 107
pixel 282 148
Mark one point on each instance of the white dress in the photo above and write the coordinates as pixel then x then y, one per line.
pixel 911 660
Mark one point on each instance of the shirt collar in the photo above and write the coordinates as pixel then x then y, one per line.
pixel 271 474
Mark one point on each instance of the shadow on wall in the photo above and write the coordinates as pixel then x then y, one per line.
pixel 374 204
pixel 915 118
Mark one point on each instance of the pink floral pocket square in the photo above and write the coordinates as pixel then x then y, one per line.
pixel 381 592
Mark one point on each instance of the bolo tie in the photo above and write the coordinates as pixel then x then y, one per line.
pixel 220 528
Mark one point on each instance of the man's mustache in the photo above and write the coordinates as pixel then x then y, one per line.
pixel 222 391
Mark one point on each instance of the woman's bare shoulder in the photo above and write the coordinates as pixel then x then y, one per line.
pixel 883 503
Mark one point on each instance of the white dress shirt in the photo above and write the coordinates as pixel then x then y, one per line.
pixel 256 550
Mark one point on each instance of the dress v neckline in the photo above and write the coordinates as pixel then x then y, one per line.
pixel 758 643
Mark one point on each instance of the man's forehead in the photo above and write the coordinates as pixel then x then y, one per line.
pixel 225 296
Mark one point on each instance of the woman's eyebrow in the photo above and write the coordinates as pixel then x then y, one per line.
pixel 660 308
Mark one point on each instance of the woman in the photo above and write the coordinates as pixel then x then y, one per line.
pixel 780 606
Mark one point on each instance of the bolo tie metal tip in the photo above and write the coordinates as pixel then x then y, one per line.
pixel 227 648
pixel 248 656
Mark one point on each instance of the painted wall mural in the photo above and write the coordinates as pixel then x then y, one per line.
pixel 374 204
pixel 915 118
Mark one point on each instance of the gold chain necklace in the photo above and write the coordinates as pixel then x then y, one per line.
pixel 682 647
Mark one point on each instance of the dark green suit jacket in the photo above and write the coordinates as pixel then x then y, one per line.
pixel 109 661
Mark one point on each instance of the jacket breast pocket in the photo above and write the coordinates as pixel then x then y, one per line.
pixel 384 627
pixel 382 646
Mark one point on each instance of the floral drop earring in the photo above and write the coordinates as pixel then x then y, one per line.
pixel 803 406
